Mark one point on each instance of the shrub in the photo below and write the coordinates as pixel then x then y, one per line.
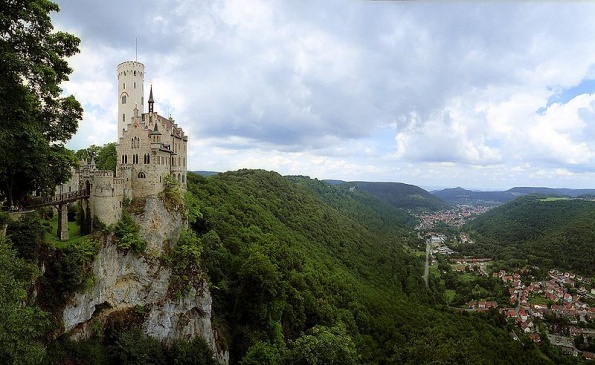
pixel 127 234
pixel 196 351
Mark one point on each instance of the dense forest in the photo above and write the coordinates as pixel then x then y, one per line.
pixel 311 273
pixel 400 195
pixel 548 232
pixel 301 273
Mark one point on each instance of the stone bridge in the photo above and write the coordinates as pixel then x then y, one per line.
pixel 60 201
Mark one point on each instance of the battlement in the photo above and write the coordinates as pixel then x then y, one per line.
pixel 103 173
pixel 131 67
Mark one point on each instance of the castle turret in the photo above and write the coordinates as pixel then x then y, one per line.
pixel 155 136
pixel 131 75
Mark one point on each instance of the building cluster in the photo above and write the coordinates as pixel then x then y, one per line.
pixel 551 300
pixel 454 217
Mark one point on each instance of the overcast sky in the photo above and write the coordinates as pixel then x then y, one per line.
pixel 482 94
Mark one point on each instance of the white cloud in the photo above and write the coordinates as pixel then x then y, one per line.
pixel 422 92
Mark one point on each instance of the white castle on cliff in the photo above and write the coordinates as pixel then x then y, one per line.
pixel 149 149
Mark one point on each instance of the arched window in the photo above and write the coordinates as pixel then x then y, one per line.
pixel 183 179
pixel 141 175
pixel 123 99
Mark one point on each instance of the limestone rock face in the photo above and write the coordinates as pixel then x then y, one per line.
pixel 125 280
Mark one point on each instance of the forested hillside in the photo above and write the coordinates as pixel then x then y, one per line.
pixel 304 273
pixel 549 232
pixel 403 196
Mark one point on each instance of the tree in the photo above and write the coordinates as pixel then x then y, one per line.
pixel 36 119
pixel 21 326
pixel 104 156
pixel 323 345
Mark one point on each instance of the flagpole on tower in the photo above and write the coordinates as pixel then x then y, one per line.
pixel 136 49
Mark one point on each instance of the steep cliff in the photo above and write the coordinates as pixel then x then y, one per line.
pixel 124 281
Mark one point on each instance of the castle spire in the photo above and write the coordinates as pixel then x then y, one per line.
pixel 151 101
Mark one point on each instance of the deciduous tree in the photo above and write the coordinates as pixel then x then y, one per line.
pixel 35 118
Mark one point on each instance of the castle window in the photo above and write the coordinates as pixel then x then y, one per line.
pixel 124 84
pixel 184 179
pixel 141 175
pixel 135 85
pixel 132 143
pixel 123 99
pixel 124 118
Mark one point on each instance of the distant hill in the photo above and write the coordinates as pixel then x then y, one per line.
pixel 334 182
pixel 548 232
pixel 459 195
pixel 206 173
pixel 573 193
pixel 400 195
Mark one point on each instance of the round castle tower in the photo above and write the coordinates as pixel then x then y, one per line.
pixel 131 76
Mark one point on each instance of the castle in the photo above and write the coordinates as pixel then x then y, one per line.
pixel 149 148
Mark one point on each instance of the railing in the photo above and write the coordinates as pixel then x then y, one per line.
pixel 57 199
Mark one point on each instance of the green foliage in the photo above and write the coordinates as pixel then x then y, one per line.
pixel 105 157
pixel 400 195
pixel 36 118
pixel 26 235
pixel 323 345
pixel 263 353
pixel 68 269
pixel 185 264
pixel 192 352
pixel 135 348
pixel 548 233
pixel 297 265
pixel 84 220
pixel 172 197
pixel 4 219
pixel 127 234
pixel 22 326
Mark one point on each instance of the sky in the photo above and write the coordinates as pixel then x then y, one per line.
pixel 485 95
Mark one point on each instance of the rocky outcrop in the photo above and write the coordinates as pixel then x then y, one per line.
pixel 125 280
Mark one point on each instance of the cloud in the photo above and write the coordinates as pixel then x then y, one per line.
pixel 383 89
